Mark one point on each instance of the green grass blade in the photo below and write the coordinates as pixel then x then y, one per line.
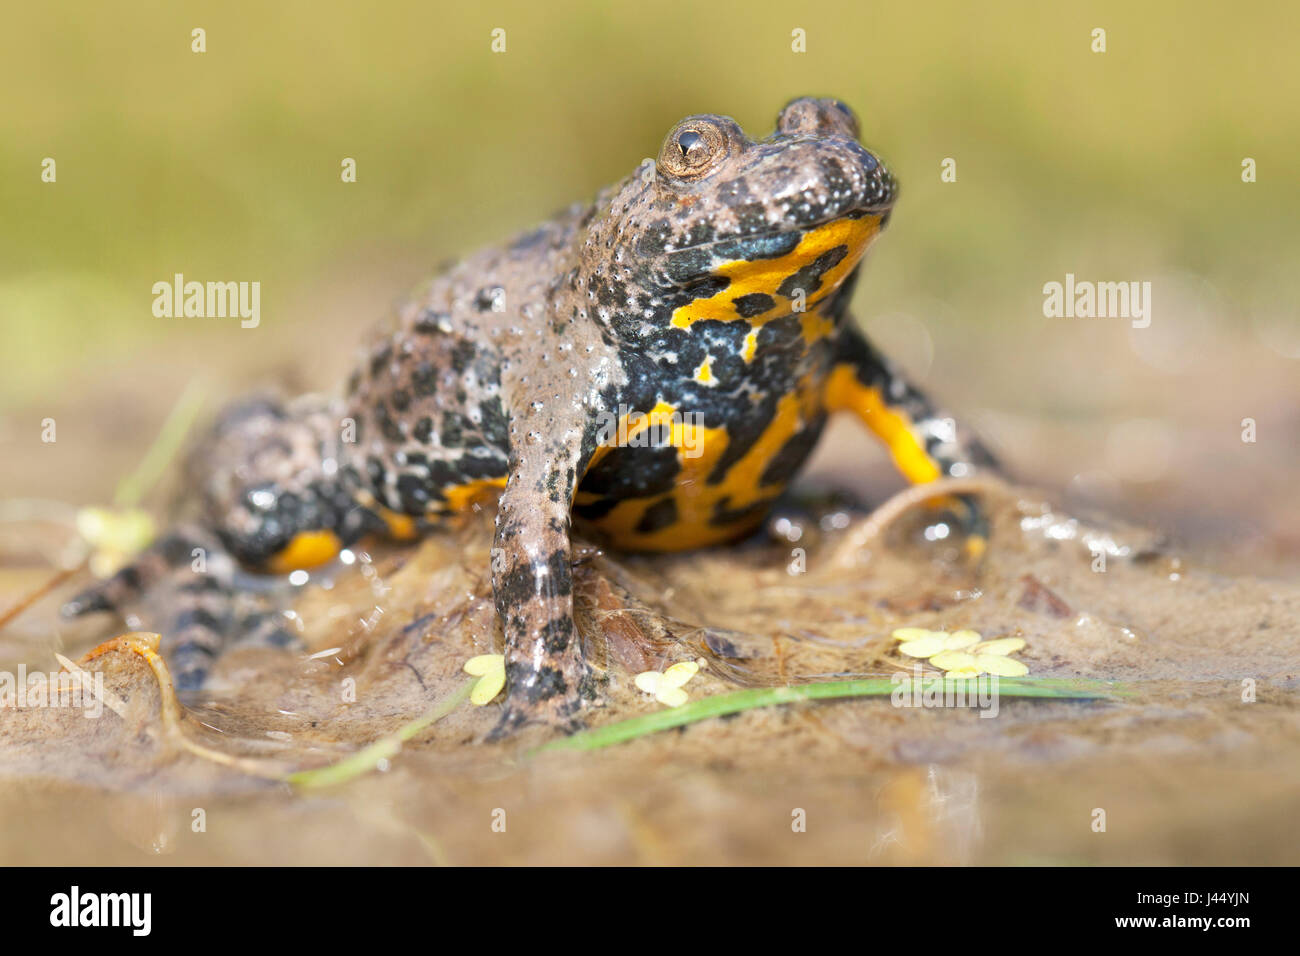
pixel 720 705
pixel 132 489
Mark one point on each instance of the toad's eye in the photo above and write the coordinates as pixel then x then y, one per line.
pixel 693 149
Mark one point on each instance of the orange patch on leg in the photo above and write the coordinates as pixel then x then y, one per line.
pixel 845 393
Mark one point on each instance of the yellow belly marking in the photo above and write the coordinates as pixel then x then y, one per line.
pixel 815 326
pixel 307 549
pixel 750 276
pixel 401 527
pixel 462 497
pixel 404 527
pixel 696 500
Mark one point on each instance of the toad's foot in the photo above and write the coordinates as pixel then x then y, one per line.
pixel 561 712
pixel 188 588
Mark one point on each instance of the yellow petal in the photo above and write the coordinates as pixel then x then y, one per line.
pixel 1002 666
pixel 911 633
pixel 1003 645
pixel 961 673
pixel 922 647
pixel 952 660
pixel 136 530
pixel 679 674
pixel 484 664
pixel 648 681
pixel 128 530
pixel 91 523
pixel 487 687
pixel 959 639
pixel 672 696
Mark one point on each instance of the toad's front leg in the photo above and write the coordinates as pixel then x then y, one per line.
pixel 531 576
pixel 925 444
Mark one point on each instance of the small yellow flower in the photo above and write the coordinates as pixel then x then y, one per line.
pixel 115 536
pixel 667 687
pixel 930 643
pixel 490 669
pixel 962 653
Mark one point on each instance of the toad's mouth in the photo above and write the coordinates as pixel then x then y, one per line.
pixel 755 278
pixel 777 240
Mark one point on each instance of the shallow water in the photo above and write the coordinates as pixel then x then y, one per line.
pixel 1185 771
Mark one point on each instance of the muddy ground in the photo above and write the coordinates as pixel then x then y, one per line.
pixel 1186 771
pixel 1200 594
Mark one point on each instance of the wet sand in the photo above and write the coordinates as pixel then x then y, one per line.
pixel 1185 770
pixel 1201 594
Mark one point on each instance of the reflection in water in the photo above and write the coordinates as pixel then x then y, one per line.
pixel 928 816
pixel 150 822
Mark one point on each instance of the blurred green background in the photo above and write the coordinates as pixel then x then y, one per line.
pixel 225 165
